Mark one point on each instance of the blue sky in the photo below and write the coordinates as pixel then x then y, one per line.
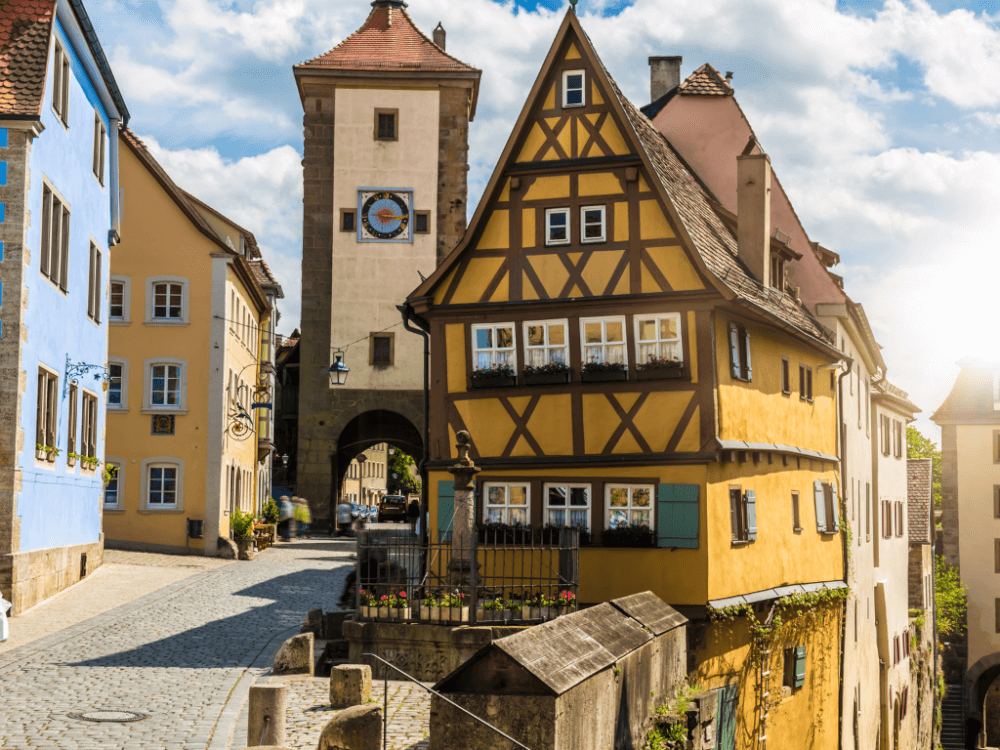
pixel 881 118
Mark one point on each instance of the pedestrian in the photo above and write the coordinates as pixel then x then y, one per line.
pixel 302 516
pixel 413 514
pixel 285 513
pixel 4 608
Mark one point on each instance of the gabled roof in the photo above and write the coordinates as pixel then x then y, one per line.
pixel 253 251
pixel 25 31
pixel 887 393
pixel 919 506
pixel 265 278
pixel 705 81
pixel 971 399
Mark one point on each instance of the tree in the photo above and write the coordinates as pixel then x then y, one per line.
pixel 400 473
pixel 949 598
pixel 918 446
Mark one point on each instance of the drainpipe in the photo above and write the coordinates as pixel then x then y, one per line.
pixel 842 451
pixel 415 324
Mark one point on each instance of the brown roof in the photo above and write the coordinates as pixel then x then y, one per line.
pixel 388 39
pixel 919 482
pixel 971 398
pixel 264 276
pixel 889 394
pixel 706 81
pixel 25 30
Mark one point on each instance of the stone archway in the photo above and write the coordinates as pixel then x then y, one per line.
pixel 979 714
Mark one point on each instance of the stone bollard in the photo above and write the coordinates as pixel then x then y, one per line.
pixel 355 728
pixel 296 655
pixel 350 685
pixel 267 702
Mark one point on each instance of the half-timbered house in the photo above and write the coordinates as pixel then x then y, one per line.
pixel 621 349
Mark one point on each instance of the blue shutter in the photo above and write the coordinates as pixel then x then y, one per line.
pixel 734 350
pixel 445 509
pixel 746 346
pixel 820 506
pixel 836 506
pixel 800 666
pixel 677 514
pixel 751 515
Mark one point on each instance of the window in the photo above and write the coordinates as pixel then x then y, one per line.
pixel 493 345
pixel 61 78
pixel 884 432
pixel 162 486
pixel 545 343
pixel 71 421
pixel 805 383
pixel 868 512
pixel 827 520
pixel 54 254
pixel 603 340
pixel 658 338
pixel 118 306
pixel 116 482
pixel 739 353
pixel 422 222
pixel 567 505
pixel 94 285
pixel 996 500
pixel 165 385
pixel 593 224
pixel 743 514
pixel 507 503
pixel 46 410
pixel 786 378
pixel 868 421
pixel 557 226
pixel 899 518
pixel 899 438
pixel 573 88
pixel 88 436
pixel 795 667
pixel 386 124
pixel 777 272
pixel 167 302
pixel 100 138
pixel 796 521
pixel 629 505
pixel 381 350
pixel 347 220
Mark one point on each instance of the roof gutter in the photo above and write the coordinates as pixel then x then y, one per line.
pixel 94 43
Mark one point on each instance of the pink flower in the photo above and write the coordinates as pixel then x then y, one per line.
pixel 385 598
pixel 402 594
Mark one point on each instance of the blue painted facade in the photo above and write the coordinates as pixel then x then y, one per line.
pixel 60 505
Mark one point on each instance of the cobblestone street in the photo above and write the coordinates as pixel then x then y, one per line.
pixel 185 653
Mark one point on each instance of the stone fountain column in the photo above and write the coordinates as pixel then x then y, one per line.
pixel 463 524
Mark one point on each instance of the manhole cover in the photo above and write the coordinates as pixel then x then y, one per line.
pixel 112 715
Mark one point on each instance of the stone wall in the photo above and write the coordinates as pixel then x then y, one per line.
pixel 919 566
pixel 39 574
pixel 453 170
pixel 531 719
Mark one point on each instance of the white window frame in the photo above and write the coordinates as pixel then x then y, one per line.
pixel 583 88
pixel 151 283
pixel 507 507
pixel 120 463
pixel 604 337
pixel 567 486
pixel 549 213
pixel 161 462
pixel 584 239
pixel 658 342
pixel 123 363
pixel 651 509
pixel 494 350
pixel 546 349
pixel 126 316
pixel 148 407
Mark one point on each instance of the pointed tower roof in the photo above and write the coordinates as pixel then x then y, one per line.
pixel 972 399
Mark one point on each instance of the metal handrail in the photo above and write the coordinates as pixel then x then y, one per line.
pixel 415 681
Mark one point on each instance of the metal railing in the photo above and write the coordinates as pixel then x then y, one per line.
pixel 513 575
pixel 422 686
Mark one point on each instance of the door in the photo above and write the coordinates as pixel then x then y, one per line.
pixel 728 705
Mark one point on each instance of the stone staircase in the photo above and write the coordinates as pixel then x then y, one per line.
pixel 952 719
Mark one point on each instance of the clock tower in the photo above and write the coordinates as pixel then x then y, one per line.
pixel 386 121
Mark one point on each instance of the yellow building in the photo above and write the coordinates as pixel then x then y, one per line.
pixel 189 357
pixel 624 355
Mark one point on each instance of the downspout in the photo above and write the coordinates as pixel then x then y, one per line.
pixel 415 324
pixel 842 452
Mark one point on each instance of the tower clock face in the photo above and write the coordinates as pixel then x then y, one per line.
pixel 385 215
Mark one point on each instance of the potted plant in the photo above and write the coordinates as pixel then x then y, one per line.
pixel 492 610
pixel 454 608
pixel 551 534
pixel 89 463
pixel 566 602
pixel 538 607
pixel 242 525
pixel 494 376
pixel 514 608
pixel 398 606
pixel 110 473
pixel 71 458
pixel 46 452
pixel 554 373
pixel 368 605
pixel 628 535
pixel 430 609
pixel 660 368
pixel 603 372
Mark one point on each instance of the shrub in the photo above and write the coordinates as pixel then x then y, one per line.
pixel 271 512
pixel 241 523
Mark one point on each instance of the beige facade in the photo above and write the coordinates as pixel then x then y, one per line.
pixel 366 479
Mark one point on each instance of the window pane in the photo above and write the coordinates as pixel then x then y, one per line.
pixel 640 498
pixel 592 333
pixel 536 335
pixel 593 216
pixel 505 338
pixel 557 334
pixel 557 517
pixel 615 330
pixel 484 338
pixel 640 517
pixel 518 496
pixel 578 518
pixel 519 515
pixel 619 497
pixel 668 328
pixel 557 219
pixel 618 518
pixel 574 81
pixel 557 496
pixel 497 496
pixel 647 330
pixel 495 515
pixel 579 496
pixel 484 360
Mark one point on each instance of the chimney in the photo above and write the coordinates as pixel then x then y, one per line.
pixel 753 214
pixel 664 75
pixel 440 35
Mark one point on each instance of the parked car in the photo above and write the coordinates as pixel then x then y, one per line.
pixel 392 508
pixel 372 513
pixel 344 519
pixel 355 510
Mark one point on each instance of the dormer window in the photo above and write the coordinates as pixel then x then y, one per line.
pixel 777 272
pixel 573 88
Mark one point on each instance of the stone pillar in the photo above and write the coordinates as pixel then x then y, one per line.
pixel 268 703
pixel 463 524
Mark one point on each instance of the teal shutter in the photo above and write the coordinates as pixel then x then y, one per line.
pixel 445 509
pixel 836 506
pixel 820 506
pixel 751 515
pixel 746 346
pixel 727 709
pixel 800 666
pixel 677 513
pixel 734 350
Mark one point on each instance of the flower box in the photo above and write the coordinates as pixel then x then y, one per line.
pixel 603 376
pixel 546 378
pixel 665 371
pixel 41 455
pixel 492 615
pixel 71 460
pixel 538 613
pixel 493 381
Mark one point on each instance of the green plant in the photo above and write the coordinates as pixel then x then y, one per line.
pixel 241 523
pixel 552 368
pixel 493 371
pixel 48 449
pixel 589 367
pixel 493 605
pixel 618 671
pixel 565 599
pixel 660 363
pixel 950 598
pixel 430 601
pixel 400 465
pixel 368 599
pixel 110 473
pixel 270 513
pixel 918 446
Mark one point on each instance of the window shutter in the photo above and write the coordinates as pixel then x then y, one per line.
pixel 751 515
pixel 677 515
pixel 836 506
pixel 800 666
pixel 445 509
pixel 734 350
pixel 820 506
pixel 746 347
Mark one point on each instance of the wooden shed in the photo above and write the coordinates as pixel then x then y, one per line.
pixel 585 681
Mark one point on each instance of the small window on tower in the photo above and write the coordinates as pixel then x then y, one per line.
pixel 422 222
pixel 386 124
pixel 381 351
pixel 573 88
pixel 347 220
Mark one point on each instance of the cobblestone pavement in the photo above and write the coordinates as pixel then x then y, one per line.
pixel 176 654
pixel 309 710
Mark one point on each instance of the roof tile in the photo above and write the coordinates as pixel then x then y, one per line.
pixel 919 481
pixel 25 29
pixel 706 81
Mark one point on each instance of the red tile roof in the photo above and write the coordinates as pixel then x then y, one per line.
pixel 25 29
pixel 388 39
pixel 706 81
pixel 919 480
pixel 264 277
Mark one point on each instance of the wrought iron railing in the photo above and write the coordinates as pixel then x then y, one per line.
pixel 528 577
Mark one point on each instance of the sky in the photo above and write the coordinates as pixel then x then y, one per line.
pixel 881 118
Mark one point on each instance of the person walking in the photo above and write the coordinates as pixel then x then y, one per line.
pixel 285 514
pixel 303 517
pixel 413 514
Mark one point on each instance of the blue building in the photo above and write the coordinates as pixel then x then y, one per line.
pixel 59 218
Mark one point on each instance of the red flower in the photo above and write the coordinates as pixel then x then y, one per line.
pixel 385 598
pixel 402 594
